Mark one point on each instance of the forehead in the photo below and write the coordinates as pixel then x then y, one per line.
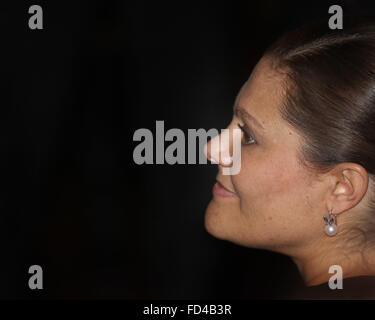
pixel 261 96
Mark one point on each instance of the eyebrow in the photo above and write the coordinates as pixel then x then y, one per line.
pixel 241 111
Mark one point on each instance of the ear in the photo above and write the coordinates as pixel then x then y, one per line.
pixel 348 185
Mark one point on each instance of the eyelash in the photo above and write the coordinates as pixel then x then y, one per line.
pixel 246 135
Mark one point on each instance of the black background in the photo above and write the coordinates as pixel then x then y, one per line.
pixel 72 198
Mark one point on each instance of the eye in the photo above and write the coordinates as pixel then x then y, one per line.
pixel 246 136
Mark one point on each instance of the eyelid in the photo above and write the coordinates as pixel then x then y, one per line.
pixel 245 128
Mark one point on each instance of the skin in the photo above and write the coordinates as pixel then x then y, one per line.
pixel 279 204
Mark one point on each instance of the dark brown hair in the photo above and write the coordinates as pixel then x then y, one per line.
pixel 330 91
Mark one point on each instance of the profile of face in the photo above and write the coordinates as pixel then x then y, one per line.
pixel 274 202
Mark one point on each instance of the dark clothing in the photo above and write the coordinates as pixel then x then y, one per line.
pixel 355 288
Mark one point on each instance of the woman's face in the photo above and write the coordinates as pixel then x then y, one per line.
pixel 274 202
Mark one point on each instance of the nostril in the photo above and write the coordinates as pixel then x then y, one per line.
pixel 217 151
pixel 226 161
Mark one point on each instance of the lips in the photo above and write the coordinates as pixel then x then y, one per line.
pixel 220 191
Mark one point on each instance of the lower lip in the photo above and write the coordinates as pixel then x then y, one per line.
pixel 220 191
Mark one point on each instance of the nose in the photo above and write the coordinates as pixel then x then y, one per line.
pixel 218 149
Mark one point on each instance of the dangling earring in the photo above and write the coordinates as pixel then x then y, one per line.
pixel 331 224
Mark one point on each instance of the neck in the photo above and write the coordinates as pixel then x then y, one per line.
pixel 316 260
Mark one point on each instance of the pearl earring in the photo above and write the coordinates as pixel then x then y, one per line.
pixel 331 224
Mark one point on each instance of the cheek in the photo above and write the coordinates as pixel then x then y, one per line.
pixel 274 210
pixel 276 182
pixel 274 204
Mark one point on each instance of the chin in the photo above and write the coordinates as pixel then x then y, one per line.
pixel 213 221
pixel 220 220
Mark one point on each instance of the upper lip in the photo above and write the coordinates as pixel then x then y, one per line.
pixel 221 184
